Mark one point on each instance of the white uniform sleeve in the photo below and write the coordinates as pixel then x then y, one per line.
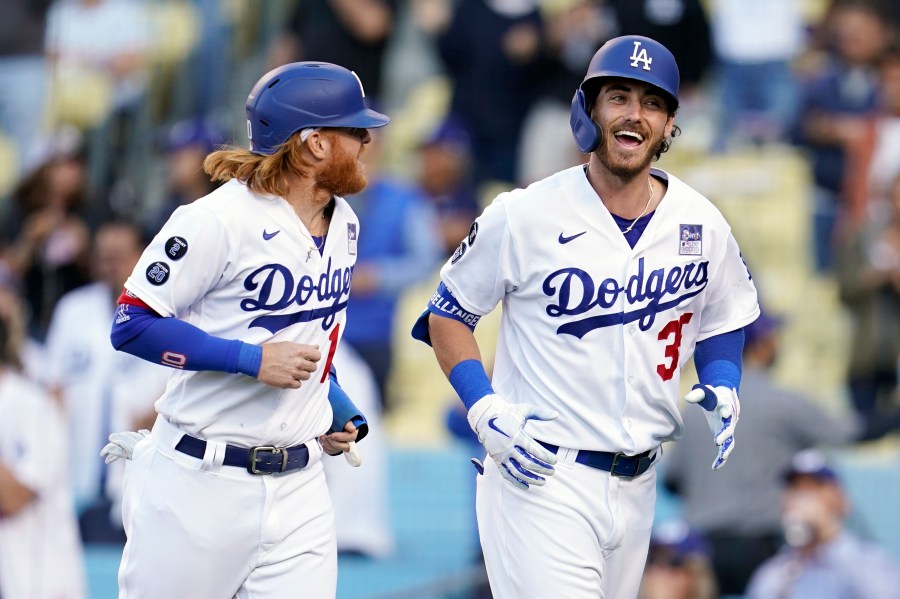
pixel 731 302
pixel 484 267
pixel 185 260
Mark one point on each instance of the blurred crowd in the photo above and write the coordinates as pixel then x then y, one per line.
pixel 108 107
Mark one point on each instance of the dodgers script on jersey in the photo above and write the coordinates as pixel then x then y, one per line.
pixel 580 306
pixel 217 273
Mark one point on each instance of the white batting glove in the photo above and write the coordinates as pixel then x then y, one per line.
pixel 121 445
pixel 500 428
pixel 722 409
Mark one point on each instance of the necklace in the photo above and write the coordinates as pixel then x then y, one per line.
pixel 315 247
pixel 647 207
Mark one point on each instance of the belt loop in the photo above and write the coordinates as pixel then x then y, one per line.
pixel 213 456
pixel 315 451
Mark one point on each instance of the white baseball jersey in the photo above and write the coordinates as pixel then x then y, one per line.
pixel 40 550
pixel 236 264
pixel 103 390
pixel 591 327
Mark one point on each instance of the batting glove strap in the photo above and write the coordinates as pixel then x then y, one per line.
pixel 722 409
pixel 500 427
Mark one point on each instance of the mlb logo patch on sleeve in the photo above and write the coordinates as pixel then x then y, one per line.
pixel 351 239
pixel 690 240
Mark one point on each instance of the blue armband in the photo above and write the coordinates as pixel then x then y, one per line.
pixel 443 304
pixel 470 382
pixel 343 409
pixel 178 344
pixel 719 360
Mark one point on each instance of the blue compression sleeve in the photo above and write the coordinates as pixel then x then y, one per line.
pixel 178 344
pixel 718 360
pixel 343 409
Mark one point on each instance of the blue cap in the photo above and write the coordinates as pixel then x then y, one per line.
pixel 677 538
pixel 761 328
pixel 194 132
pixel 812 463
pixel 449 132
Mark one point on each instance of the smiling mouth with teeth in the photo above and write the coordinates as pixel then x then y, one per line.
pixel 629 138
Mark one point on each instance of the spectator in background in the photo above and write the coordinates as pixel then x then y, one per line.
pixel 679 25
pixel 868 274
pixel 400 247
pixel 352 33
pixel 39 545
pixel 101 390
pixel 754 45
pixel 186 145
pixel 491 51
pixel 445 168
pixel 45 233
pixel 873 159
pixel 23 72
pixel 822 559
pixel 573 30
pixel 109 38
pixel 743 524
pixel 833 105
pixel 678 565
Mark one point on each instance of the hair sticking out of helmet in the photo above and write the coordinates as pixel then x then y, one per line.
pixel 628 57
pixel 303 95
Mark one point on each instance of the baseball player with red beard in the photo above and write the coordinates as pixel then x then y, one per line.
pixel 611 275
pixel 243 293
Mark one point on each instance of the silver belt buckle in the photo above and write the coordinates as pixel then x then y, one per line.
pixel 254 457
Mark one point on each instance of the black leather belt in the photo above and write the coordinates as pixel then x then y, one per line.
pixel 257 460
pixel 617 464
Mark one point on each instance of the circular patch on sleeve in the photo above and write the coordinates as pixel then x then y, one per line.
pixel 158 273
pixel 473 231
pixel 176 248
pixel 460 250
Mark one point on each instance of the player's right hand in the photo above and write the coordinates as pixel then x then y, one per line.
pixel 286 365
pixel 500 428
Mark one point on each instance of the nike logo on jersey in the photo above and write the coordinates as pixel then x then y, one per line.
pixel 576 293
pixel 267 236
pixel 564 240
pixel 494 426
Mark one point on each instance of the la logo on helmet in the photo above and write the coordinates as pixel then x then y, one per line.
pixel 641 56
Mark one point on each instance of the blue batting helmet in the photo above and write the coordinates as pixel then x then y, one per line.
pixel 305 94
pixel 627 57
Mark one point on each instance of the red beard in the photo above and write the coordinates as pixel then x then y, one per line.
pixel 344 175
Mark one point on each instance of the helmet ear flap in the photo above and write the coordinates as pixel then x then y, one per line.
pixel 587 133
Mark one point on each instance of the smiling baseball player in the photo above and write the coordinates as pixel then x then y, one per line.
pixel 611 275
pixel 244 294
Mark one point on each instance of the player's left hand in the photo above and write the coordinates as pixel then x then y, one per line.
pixel 343 442
pixel 121 445
pixel 722 408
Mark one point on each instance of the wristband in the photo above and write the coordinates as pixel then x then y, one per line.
pixel 470 381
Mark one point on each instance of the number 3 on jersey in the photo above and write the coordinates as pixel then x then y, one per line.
pixel 334 337
pixel 673 330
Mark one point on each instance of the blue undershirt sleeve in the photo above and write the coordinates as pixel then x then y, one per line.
pixel 718 360
pixel 178 344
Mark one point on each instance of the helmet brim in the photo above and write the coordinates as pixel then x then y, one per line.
pixel 365 119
